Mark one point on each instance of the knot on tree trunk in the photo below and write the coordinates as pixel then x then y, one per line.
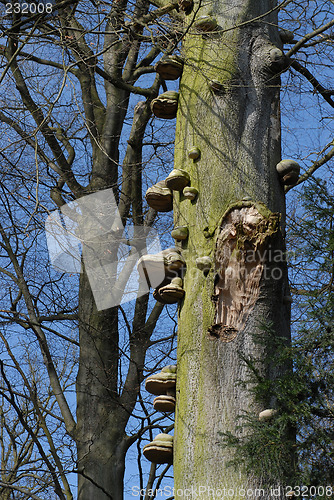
pixel 268 59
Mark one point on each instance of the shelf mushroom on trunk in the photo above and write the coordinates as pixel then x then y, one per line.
pixel 177 179
pixel 163 385
pixel 205 24
pixel 173 260
pixel 160 450
pixel 156 269
pixel 190 193
pixel 170 67
pixel 164 403
pixel 159 383
pixel 286 36
pixel 180 233
pixel 266 415
pixel 288 171
pixel 165 105
pixel 194 153
pixel 171 293
pixel 160 197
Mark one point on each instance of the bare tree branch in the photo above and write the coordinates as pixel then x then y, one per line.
pixel 37 115
pixel 308 37
pixel 54 380
pixel 317 85
pixel 317 164
pixel 11 400
pixel 25 492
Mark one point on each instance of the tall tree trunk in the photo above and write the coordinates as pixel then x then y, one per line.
pixel 240 210
pixel 99 429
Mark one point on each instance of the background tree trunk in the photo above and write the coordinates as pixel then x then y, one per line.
pixel 97 400
pixel 238 132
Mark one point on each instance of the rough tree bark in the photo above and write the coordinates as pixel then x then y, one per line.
pixel 104 401
pixel 102 411
pixel 240 210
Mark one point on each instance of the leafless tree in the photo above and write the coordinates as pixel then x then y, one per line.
pixel 77 89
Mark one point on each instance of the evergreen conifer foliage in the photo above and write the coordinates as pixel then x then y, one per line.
pixel 302 402
pixel 313 347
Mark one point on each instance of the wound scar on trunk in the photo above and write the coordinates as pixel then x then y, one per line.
pixel 239 262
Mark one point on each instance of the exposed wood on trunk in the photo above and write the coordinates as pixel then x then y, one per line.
pixel 240 256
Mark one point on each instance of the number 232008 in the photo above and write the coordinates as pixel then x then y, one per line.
pixel 28 8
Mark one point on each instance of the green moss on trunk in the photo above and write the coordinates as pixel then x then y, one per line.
pixel 238 134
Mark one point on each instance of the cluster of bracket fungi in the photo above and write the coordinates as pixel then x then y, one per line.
pixel 205 24
pixel 170 67
pixel 160 198
pixel 162 385
pixel 170 287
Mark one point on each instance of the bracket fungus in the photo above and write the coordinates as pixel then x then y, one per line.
pixel 266 415
pixel 160 383
pixel 159 197
pixel 177 179
pixel 286 36
pixel 204 263
pixel 287 299
pixel 273 59
pixel 194 153
pixel 190 192
pixel 155 268
pixel 185 5
pixel 160 450
pixel 180 233
pixel 288 171
pixel 171 293
pixel 165 105
pixel 205 23
pixel 170 67
pixel 163 385
pixel 276 55
pixel 164 403
pixel 173 260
